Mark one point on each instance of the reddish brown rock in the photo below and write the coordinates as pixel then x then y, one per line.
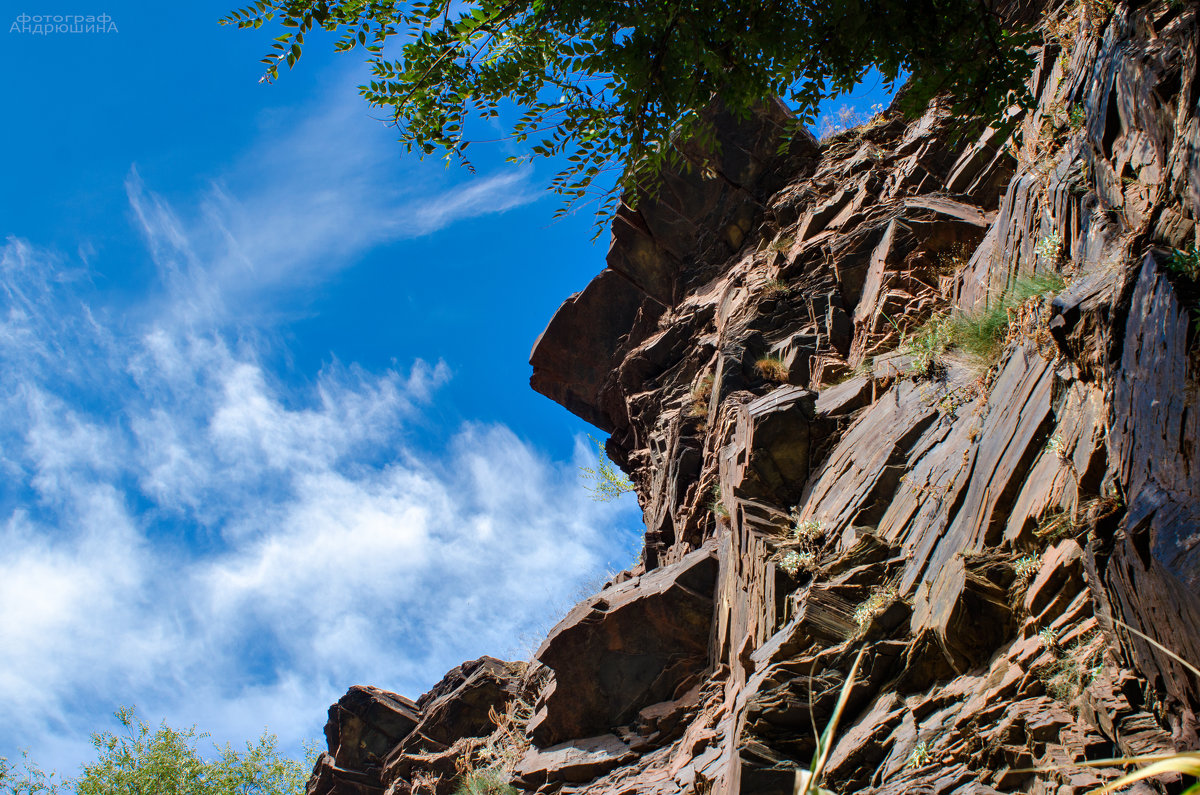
pixel 1060 569
pixel 363 728
pixel 967 614
pixel 459 705
pixel 629 646
pixel 576 761
pixel 871 494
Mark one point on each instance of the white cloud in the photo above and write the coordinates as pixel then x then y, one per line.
pixel 494 194
pixel 308 199
pixel 185 531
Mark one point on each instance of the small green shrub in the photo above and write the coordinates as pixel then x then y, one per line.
pixel 980 335
pixel 929 344
pixel 700 396
pixel 1073 669
pixel 953 258
pixel 485 781
pixel 1186 263
pixel 772 368
pixel 1026 567
pixel 793 562
pixel 1036 283
pixel 609 482
pixel 718 503
pixel 1050 247
pixel 1076 117
pixel 1048 637
pixel 807 531
pixel 919 757
pixel 774 288
pixel 875 604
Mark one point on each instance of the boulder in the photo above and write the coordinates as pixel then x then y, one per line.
pixel 363 727
pixel 459 705
pixel 576 761
pixel 628 647
pixel 365 724
pixel 966 613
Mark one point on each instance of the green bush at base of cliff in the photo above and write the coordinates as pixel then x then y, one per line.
pixel 165 760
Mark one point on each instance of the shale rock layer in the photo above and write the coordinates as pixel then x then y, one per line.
pixel 899 394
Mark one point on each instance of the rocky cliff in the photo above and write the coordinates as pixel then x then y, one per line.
pixel 899 393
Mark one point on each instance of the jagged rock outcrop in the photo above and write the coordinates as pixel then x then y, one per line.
pixel 633 645
pixel 822 477
pixel 380 741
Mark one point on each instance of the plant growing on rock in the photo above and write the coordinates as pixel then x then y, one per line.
pixel 1025 568
pixel 701 392
pixel 845 118
pixel 487 781
pixel 1057 447
pixel 952 259
pixel 980 335
pixel 1073 668
pixel 807 531
pixel 1061 524
pixel 609 482
pixel 919 757
pixel 874 605
pixel 928 345
pixel 1076 117
pixel 1048 637
pixel 772 368
pixel 718 503
pixel 1186 263
pixel 1152 765
pixel 1050 247
pixel 775 288
pixel 503 749
pixel 794 562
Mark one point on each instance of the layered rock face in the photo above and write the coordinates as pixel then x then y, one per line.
pixel 823 478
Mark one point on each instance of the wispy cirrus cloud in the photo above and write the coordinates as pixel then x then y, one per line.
pixel 307 200
pixel 193 535
pixel 186 529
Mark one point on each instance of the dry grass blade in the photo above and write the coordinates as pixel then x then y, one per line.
pixel 812 785
pixel 1186 763
pixel 1160 647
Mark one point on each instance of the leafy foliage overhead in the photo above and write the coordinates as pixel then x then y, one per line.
pixel 611 84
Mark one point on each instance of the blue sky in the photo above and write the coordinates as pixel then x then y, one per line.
pixel 265 423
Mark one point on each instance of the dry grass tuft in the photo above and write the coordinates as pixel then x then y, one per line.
pixel 701 393
pixel 772 368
